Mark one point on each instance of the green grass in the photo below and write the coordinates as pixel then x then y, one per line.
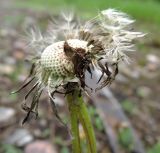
pixel 143 10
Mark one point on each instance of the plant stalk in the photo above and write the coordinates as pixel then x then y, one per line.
pixel 85 120
pixel 79 114
pixel 76 145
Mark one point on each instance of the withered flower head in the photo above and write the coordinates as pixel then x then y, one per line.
pixel 71 48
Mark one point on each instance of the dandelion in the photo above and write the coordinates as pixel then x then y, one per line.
pixel 71 48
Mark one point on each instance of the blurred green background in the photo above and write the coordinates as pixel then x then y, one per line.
pixel 143 10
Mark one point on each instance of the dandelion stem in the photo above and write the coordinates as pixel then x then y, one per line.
pixel 79 114
pixel 76 145
pixel 87 126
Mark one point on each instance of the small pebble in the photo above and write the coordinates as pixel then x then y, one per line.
pixel 39 147
pixel 20 137
pixel 153 58
pixel 7 116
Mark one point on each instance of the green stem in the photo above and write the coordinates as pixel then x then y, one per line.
pixel 87 126
pixel 76 145
pixel 79 112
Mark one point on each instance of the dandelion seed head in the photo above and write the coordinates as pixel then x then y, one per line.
pixel 104 37
pixel 53 58
pixel 70 48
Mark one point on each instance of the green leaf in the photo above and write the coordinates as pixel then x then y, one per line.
pixel 155 148
pixel 64 150
pixel 125 138
pixel 58 141
pixel 92 111
pixel 128 106
pixel 7 148
pixel 98 123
